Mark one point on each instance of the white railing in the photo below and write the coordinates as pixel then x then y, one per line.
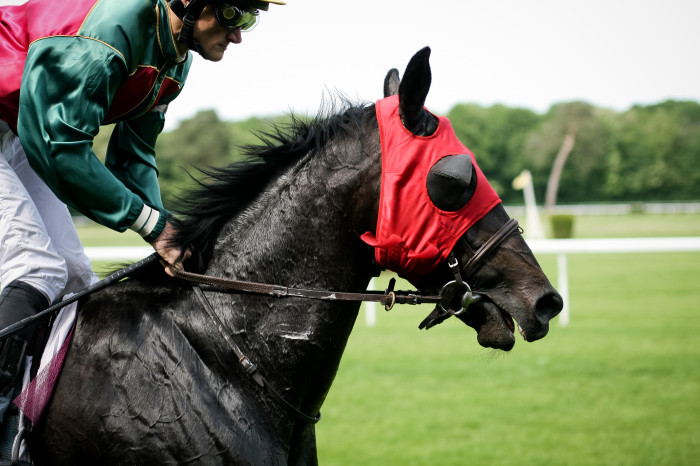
pixel 560 247
pixel 614 245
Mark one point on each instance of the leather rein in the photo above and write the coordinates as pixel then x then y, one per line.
pixel 456 293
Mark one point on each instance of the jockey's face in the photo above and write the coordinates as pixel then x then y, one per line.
pixel 213 38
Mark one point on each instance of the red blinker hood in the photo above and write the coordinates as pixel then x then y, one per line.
pixel 414 236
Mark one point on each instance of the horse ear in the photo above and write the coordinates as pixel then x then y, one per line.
pixel 414 88
pixel 391 83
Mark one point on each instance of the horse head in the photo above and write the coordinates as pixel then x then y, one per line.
pixel 506 277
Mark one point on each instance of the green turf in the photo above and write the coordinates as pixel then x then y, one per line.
pixel 619 385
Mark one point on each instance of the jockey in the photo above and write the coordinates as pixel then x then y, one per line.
pixel 69 67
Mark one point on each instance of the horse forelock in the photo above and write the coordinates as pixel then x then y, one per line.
pixel 226 191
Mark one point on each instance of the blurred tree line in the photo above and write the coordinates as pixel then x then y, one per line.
pixel 646 153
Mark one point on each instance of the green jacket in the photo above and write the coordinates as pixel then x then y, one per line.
pixel 90 63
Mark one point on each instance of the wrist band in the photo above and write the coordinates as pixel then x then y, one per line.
pixel 146 221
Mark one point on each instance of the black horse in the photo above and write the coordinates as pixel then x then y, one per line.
pixel 149 379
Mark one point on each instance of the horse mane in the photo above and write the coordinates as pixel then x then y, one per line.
pixel 226 191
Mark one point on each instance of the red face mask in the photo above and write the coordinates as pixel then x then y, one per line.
pixel 413 235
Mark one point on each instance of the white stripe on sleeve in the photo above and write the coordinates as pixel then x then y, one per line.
pixel 146 221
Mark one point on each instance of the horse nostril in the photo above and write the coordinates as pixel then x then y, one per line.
pixel 549 305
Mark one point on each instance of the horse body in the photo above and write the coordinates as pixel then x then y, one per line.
pixel 149 379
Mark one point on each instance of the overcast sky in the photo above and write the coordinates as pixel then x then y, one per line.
pixel 611 53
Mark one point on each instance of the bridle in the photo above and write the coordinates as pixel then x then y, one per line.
pixel 456 293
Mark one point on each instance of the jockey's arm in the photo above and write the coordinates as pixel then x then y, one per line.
pixel 66 91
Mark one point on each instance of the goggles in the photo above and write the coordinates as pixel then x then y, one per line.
pixel 231 17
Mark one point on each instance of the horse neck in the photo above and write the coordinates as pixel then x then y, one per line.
pixel 300 233
pixel 303 230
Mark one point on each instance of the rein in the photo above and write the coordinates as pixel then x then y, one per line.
pixel 227 285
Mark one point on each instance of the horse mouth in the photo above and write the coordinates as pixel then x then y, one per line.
pixel 495 327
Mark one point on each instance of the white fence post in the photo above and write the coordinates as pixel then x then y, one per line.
pixel 563 288
pixel 371 308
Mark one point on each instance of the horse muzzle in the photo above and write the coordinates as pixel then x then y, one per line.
pixel 489 315
pixel 496 317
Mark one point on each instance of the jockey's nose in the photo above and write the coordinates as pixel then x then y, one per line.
pixel 235 36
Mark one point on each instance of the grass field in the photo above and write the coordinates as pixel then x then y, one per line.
pixel 620 385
